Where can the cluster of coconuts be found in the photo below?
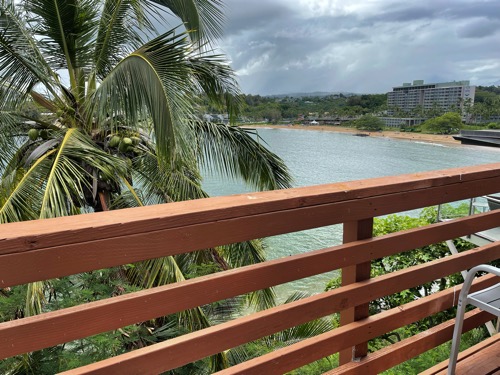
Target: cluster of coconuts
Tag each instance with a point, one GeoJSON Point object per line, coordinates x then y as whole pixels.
{"type": "Point", "coordinates": [124, 144]}
{"type": "Point", "coordinates": [33, 134]}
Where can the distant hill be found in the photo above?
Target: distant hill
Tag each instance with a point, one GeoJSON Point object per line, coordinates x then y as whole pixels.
{"type": "Point", "coordinates": [310, 94]}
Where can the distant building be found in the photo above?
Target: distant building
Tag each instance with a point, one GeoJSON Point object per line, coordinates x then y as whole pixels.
{"type": "Point", "coordinates": [219, 118]}
{"type": "Point", "coordinates": [447, 95]}
{"type": "Point", "coordinates": [401, 122]}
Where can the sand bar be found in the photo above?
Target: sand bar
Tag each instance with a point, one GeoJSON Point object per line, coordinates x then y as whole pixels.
{"type": "Point", "coordinates": [417, 137]}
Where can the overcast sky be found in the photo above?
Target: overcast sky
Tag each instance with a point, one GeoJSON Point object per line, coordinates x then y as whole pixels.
{"type": "Point", "coordinates": [363, 46]}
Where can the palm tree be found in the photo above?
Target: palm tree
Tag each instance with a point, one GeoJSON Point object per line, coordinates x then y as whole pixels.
{"type": "Point", "coordinates": [99, 110]}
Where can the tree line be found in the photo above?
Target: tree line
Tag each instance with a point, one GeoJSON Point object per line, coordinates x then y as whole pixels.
{"type": "Point", "coordinates": [258, 108]}
{"type": "Point", "coordinates": [272, 109]}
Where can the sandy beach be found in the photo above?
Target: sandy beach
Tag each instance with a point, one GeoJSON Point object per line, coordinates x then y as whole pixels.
{"type": "Point", "coordinates": [416, 137]}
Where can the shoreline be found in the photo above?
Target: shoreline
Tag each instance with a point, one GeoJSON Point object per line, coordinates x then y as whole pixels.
{"type": "Point", "coordinates": [416, 137]}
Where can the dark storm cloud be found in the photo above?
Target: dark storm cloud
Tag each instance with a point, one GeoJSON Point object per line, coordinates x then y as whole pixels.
{"type": "Point", "coordinates": [478, 29]}
{"type": "Point", "coordinates": [250, 15]}
{"type": "Point", "coordinates": [391, 13]}
{"type": "Point", "coordinates": [473, 9]}
{"type": "Point", "coordinates": [279, 46]}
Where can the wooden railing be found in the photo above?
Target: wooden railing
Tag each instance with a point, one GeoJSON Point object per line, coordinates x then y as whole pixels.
{"type": "Point", "coordinates": [51, 248]}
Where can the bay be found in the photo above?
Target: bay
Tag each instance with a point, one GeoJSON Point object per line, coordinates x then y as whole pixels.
{"type": "Point", "coordinates": [320, 157]}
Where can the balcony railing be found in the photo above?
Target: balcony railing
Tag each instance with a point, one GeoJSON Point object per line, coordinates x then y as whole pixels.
{"type": "Point", "coordinates": [46, 249]}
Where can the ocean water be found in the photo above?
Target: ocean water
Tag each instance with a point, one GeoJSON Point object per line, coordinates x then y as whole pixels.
{"type": "Point", "coordinates": [320, 157]}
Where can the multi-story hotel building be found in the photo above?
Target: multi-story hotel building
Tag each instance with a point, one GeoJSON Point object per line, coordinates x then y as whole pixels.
{"type": "Point", "coordinates": [447, 95]}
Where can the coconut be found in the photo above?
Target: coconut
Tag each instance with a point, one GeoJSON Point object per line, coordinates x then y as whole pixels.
{"type": "Point", "coordinates": [44, 134]}
{"type": "Point", "coordinates": [135, 140]}
{"type": "Point", "coordinates": [125, 144]}
{"type": "Point", "coordinates": [33, 134]}
{"type": "Point", "coordinates": [114, 141]}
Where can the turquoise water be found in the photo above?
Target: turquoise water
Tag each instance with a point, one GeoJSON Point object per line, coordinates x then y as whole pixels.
{"type": "Point", "coordinates": [319, 157]}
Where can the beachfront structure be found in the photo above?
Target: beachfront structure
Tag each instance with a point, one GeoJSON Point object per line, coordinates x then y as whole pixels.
{"type": "Point", "coordinates": [400, 122]}
{"type": "Point", "coordinates": [419, 95]}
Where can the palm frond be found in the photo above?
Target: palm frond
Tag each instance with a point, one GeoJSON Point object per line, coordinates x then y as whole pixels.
{"type": "Point", "coordinates": [239, 153]}
{"type": "Point", "coordinates": [21, 191]}
{"type": "Point", "coordinates": [155, 272]}
{"type": "Point", "coordinates": [130, 195]}
{"type": "Point", "coordinates": [178, 181]}
{"type": "Point", "coordinates": [54, 185]}
{"type": "Point", "coordinates": [117, 34]}
{"type": "Point", "coordinates": [151, 82]}
{"type": "Point", "coordinates": [243, 253]}
{"type": "Point", "coordinates": [261, 299]}
{"type": "Point", "coordinates": [66, 29]}
{"type": "Point", "coordinates": [35, 297]}
{"type": "Point", "coordinates": [22, 64]}
{"type": "Point", "coordinates": [215, 78]}
{"type": "Point", "coordinates": [8, 141]}
{"type": "Point", "coordinates": [203, 18]}
{"type": "Point", "coordinates": [65, 182]}
{"type": "Point", "coordinates": [219, 362]}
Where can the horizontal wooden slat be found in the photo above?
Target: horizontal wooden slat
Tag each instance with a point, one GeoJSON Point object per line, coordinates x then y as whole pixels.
{"type": "Point", "coordinates": [60, 261]}
{"type": "Point", "coordinates": [19, 237]}
{"type": "Point", "coordinates": [482, 358]}
{"type": "Point", "coordinates": [63, 246]}
{"type": "Point", "coordinates": [56, 327]}
{"type": "Point", "coordinates": [174, 353]}
{"type": "Point", "coordinates": [411, 347]}
{"type": "Point", "coordinates": [310, 350]}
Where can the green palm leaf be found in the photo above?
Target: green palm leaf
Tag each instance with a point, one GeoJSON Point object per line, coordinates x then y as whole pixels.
{"type": "Point", "coordinates": [239, 153]}
{"type": "Point", "coordinates": [35, 298]}
{"type": "Point", "coordinates": [162, 271]}
{"type": "Point", "coordinates": [54, 185]}
{"type": "Point", "coordinates": [66, 29]}
{"type": "Point", "coordinates": [139, 87]}
{"type": "Point", "coordinates": [117, 34]}
{"type": "Point", "coordinates": [22, 64]}
{"type": "Point", "coordinates": [176, 182]}
{"type": "Point", "coordinates": [8, 143]}
{"type": "Point", "coordinates": [21, 191]}
{"type": "Point", "coordinates": [67, 177]}
{"type": "Point", "coordinates": [201, 17]}
{"type": "Point", "coordinates": [216, 80]}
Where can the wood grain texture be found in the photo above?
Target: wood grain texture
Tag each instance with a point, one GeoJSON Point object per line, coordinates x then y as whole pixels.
{"type": "Point", "coordinates": [19, 237]}
{"type": "Point", "coordinates": [481, 359]}
{"type": "Point", "coordinates": [404, 350]}
{"type": "Point", "coordinates": [52, 328]}
{"type": "Point", "coordinates": [75, 257]}
{"type": "Point", "coordinates": [309, 350]}
{"type": "Point", "coordinates": [176, 352]}
{"type": "Point", "coordinates": [355, 231]}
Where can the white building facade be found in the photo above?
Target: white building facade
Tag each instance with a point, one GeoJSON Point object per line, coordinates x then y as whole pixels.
{"type": "Point", "coordinates": [419, 95]}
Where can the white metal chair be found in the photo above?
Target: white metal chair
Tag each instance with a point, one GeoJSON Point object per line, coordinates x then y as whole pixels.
{"type": "Point", "coordinates": [486, 299]}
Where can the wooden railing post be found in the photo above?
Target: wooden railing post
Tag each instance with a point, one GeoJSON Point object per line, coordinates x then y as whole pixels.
{"type": "Point", "coordinates": [353, 231]}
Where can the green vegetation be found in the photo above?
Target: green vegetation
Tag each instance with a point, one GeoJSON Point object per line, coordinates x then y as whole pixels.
{"type": "Point", "coordinates": [369, 123]}
{"type": "Point", "coordinates": [122, 132]}
{"type": "Point", "coordinates": [260, 108]}
{"type": "Point", "coordinates": [486, 101]}
{"type": "Point", "coordinates": [450, 122]}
